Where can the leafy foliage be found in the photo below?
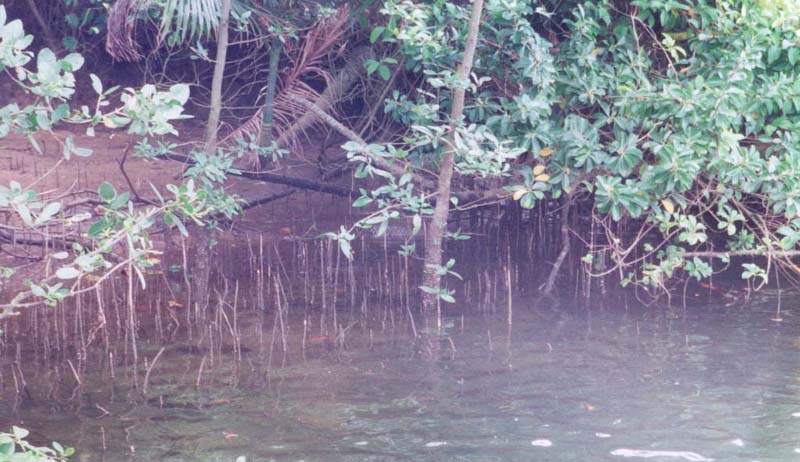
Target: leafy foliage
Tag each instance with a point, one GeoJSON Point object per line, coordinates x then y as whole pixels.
{"type": "Point", "coordinates": [15, 448]}
{"type": "Point", "coordinates": [680, 117]}
{"type": "Point", "coordinates": [147, 111]}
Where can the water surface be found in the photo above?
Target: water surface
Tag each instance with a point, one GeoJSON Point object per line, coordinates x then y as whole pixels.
{"type": "Point", "coordinates": [716, 382]}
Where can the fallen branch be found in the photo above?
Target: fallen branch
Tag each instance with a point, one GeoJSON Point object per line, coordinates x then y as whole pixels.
{"type": "Point", "coordinates": [345, 79]}
{"type": "Point", "coordinates": [265, 200]}
{"type": "Point", "coordinates": [64, 242]}
{"type": "Point", "coordinates": [264, 177]}
{"type": "Point", "coordinates": [768, 253]}
{"type": "Point", "coordinates": [353, 136]}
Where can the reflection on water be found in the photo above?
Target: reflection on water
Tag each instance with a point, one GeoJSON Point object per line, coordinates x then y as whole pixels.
{"type": "Point", "coordinates": [315, 383]}
{"type": "Point", "coordinates": [714, 382]}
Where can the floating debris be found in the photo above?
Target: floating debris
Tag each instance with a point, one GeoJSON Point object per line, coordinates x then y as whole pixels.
{"type": "Point", "coordinates": [361, 443]}
{"type": "Point", "coordinates": [647, 453]}
{"type": "Point", "coordinates": [435, 444]}
{"type": "Point", "coordinates": [542, 443]}
{"type": "Point", "coordinates": [602, 435]}
{"type": "Point", "coordinates": [737, 442]}
{"type": "Point", "coordinates": [587, 406]}
{"type": "Point", "coordinates": [796, 414]}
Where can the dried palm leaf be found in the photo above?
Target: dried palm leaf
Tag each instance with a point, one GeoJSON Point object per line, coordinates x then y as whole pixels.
{"type": "Point", "coordinates": [317, 45]}
{"type": "Point", "coordinates": [121, 25]}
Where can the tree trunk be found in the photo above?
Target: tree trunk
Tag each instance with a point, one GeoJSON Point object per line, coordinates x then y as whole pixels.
{"type": "Point", "coordinates": [562, 255]}
{"type": "Point", "coordinates": [265, 136]}
{"type": "Point", "coordinates": [436, 229]}
{"type": "Point", "coordinates": [45, 29]}
{"type": "Point", "coordinates": [212, 126]}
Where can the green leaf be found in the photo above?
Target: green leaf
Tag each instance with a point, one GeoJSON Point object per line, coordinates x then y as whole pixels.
{"type": "Point", "coordinates": [49, 211]}
{"type": "Point", "coordinates": [172, 220]}
{"type": "Point", "coordinates": [81, 152]}
{"type": "Point", "coordinates": [362, 201]}
{"type": "Point", "coordinates": [67, 153]}
{"type": "Point", "coordinates": [97, 85]}
{"type": "Point", "coordinates": [73, 20]}
{"type": "Point", "coordinates": [72, 62]}
{"type": "Point", "coordinates": [12, 31]}
{"type": "Point", "coordinates": [528, 201]}
{"type": "Point", "coordinates": [773, 54]}
{"type": "Point", "coordinates": [67, 272]}
{"type": "Point", "coordinates": [60, 113]}
{"type": "Point", "coordinates": [384, 72]}
{"type": "Point", "coordinates": [119, 201]}
{"type": "Point", "coordinates": [106, 192]}
{"type": "Point", "coordinates": [38, 291]}
{"type": "Point", "coordinates": [417, 224]}
{"type": "Point", "coordinates": [25, 213]}
{"type": "Point", "coordinates": [35, 144]}
{"type": "Point", "coordinates": [382, 228]}
{"type": "Point", "coordinates": [376, 33]}
{"type": "Point", "coordinates": [70, 43]}
{"type": "Point", "coordinates": [794, 53]}
{"type": "Point", "coordinates": [97, 229]}
{"type": "Point", "coordinates": [46, 63]}
{"type": "Point", "coordinates": [372, 66]}
{"type": "Point", "coordinates": [42, 120]}
{"type": "Point", "coordinates": [344, 246]}
{"type": "Point", "coordinates": [19, 432]}
{"type": "Point", "coordinates": [180, 93]}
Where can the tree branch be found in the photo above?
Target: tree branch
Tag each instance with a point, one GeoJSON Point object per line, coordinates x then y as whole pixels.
{"type": "Point", "coordinates": [265, 177]}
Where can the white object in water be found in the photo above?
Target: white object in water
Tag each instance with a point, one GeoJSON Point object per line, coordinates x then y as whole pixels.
{"type": "Point", "coordinates": [602, 435]}
{"type": "Point", "coordinates": [796, 414]}
{"type": "Point", "coordinates": [361, 443]}
{"type": "Point", "coordinates": [647, 453]}
{"type": "Point", "coordinates": [737, 442]}
{"type": "Point", "coordinates": [435, 444]}
{"type": "Point", "coordinates": [542, 443]}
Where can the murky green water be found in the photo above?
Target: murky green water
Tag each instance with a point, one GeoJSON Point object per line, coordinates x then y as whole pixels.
{"type": "Point", "coordinates": [716, 382]}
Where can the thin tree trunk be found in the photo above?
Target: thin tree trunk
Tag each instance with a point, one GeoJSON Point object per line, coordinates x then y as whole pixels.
{"type": "Point", "coordinates": [562, 255]}
{"type": "Point", "coordinates": [45, 29]}
{"type": "Point", "coordinates": [265, 137]}
{"type": "Point", "coordinates": [212, 126]}
{"type": "Point", "coordinates": [436, 230]}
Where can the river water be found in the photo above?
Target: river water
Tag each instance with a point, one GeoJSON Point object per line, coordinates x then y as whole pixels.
{"type": "Point", "coordinates": [717, 380]}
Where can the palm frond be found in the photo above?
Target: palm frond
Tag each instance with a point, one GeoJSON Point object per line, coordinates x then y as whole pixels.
{"type": "Point", "coordinates": [182, 21]}
{"type": "Point", "coordinates": [189, 20]}
{"type": "Point", "coordinates": [306, 61]}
